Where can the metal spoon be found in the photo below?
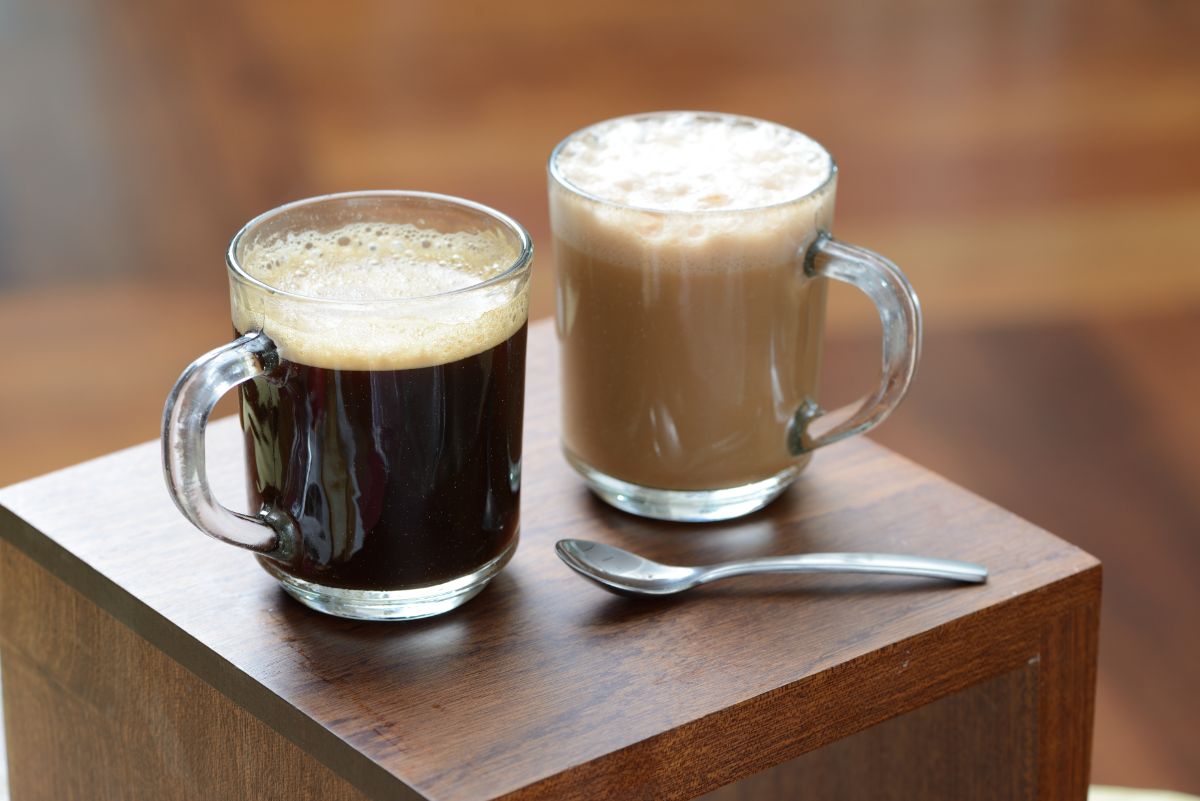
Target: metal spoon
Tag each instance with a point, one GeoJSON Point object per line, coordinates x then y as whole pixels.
{"type": "Point", "coordinates": [626, 573]}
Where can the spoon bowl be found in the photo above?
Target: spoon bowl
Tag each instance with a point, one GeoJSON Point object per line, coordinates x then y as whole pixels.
{"type": "Point", "coordinates": [622, 572]}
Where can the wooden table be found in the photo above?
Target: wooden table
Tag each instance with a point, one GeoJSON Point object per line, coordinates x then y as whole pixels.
{"type": "Point", "coordinates": [143, 660]}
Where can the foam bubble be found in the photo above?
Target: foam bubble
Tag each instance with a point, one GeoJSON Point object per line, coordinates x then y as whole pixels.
{"type": "Point", "coordinates": [330, 317]}
{"type": "Point", "coordinates": [687, 161]}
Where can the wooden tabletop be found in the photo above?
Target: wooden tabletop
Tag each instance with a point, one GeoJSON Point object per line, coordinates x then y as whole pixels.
{"type": "Point", "coordinates": [544, 683]}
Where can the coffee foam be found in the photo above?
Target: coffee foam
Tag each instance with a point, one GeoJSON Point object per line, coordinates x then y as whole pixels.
{"type": "Point", "coordinates": [691, 191]}
{"type": "Point", "coordinates": [687, 161]}
{"type": "Point", "coordinates": [373, 296]}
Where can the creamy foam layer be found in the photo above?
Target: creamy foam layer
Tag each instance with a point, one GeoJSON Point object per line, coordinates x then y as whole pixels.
{"type": "Point", "coordinates": [372, 296]}
{"type": "Point", "coordinates": [686, 191]}
{"type": "Point", "coordinates": [688, 161]}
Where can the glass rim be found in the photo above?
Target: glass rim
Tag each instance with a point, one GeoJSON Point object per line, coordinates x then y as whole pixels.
{"type": "Point", "coordinates": [557, 176]}
{"type": "Point", "coordinates": [520, 264]}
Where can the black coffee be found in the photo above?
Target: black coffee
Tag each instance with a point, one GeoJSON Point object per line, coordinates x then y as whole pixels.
{"type": "Point", "coordinates": [396, 479]}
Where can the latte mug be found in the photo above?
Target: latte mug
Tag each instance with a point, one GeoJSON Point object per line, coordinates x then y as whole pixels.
{"type": "Point", "coordinates": [693, 253]}
{"type": "Point", "coordinates": [380, 362]}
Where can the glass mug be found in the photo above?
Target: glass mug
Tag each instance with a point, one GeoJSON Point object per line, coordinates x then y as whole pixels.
{"type": "Point", "coordinates": [380, 358]}
{"type": "Point", "coordinates": [692, 254]}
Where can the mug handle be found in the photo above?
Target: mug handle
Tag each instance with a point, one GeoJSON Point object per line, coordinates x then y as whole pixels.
{"type": "Point", "coordinates": [184, 419]}
{"type": "Point", "coordinates": [900, 314]}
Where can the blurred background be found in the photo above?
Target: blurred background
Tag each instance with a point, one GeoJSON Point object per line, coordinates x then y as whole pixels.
{"type": "Point", "coordinates": [1033, 165]}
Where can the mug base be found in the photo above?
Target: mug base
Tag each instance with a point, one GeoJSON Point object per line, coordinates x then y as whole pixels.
{"type": "Point", "coordinates": [684, 506]}
{"type": "Point", "coordinates": [409, 604]}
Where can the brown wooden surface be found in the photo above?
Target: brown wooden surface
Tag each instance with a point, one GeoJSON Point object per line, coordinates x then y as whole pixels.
{"type": "Point", "coordinates": [1091, 431]}
{"type": "Point", "coordinates": [106, 715]}
{"type": "Point", "coordinates": [978, 743]}
{"type": "Point", "coordinates": [545, 687]}
{"type": "Point", "coordinates": [1032, 165]}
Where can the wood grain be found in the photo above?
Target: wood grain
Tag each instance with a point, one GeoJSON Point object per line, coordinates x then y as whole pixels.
{"type": "Point", "coordinates": [89, 731]}
{"type": "Point", "coordinates": [544, 687]}
{"type": "Point", "coordinates": [978, 743]}
{"type": "Point", "coordinates": [1088, 431]}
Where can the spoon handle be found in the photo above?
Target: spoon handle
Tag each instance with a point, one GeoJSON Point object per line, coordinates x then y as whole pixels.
{"type": "Point", "coordinates": [891, 564]}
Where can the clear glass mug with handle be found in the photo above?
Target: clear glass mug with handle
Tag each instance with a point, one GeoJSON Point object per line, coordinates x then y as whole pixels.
{"type": "Point", "coordinates": [379, 357]}
{"type": "Point", "coordinates": [693, 252]}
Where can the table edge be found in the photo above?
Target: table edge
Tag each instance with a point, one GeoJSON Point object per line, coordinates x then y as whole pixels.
{"type": "Point", "coordinates": [366, 775]}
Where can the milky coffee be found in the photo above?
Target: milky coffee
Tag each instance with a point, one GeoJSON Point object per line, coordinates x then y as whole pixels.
{"type": "Point", "coordinates": [390, 432]}
{"type": "Point", "coordinates": [690, 334]}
